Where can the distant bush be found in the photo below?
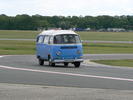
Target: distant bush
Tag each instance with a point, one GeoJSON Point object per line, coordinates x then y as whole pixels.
{"type": "Point", "coordinates": [26, 22]}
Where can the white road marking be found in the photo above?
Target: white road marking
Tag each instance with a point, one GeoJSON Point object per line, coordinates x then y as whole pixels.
{"type": "Point", "coordinates": [70, 74]}
{"type": "Point", "coordinates": [1, 56]}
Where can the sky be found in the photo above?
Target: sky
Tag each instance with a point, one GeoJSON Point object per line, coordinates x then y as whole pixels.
{"type": "Point", "coordinates": [67, 7]}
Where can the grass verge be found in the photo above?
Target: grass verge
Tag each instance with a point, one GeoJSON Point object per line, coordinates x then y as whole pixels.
{"type": "Point", "coordinates": [107, 48]}
{"type": "Point", "coordinates": [14, 47]}
{"type": "Point", "coordinates": [17, 34]}
{"type": "Point", "coordinates": [17, 47]}
{"type": "Point", "coordinates": [107, 36]}
{"type": "Point", "coordinates": [104, 36]}
{"type": "Point", "coordinates": [128, 63]}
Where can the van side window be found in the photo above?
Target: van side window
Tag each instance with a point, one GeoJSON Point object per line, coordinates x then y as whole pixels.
{"type": "Point", "coordinates": [46, 40]}
{"type": "Point", "coordinates": [40, 39]}
{"type": "Point", "coordinates": [51, 40]}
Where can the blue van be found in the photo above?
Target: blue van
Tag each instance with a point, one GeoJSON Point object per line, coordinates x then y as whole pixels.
{"type": "Point", "coordinates": [59, 46]}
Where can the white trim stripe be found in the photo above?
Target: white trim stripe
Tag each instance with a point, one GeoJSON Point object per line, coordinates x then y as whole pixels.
{"type": "Point", "coordinates": [69, 74]}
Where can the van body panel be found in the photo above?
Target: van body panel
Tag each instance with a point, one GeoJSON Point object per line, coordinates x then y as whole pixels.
{"type": "Point", "coordinates": [66, 51]}
{"type": "Point", "coordinates": [43, 50]}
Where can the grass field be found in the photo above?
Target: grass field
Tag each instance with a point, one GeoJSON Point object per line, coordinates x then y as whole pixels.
{"type": "Point", "coordinates": [14, 34]}
{"type": "Point", "coordinates": [28, 47]}
{"type": "Point", "coordinates": [107, 36]}
{"type": "Point", "coordinates": [128, 63]}
{"type": "Point", "coordinates": [107, 48]}
{"type": "Point", "coordinates": [15, 47]}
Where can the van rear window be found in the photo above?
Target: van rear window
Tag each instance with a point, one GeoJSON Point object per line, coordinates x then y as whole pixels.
{"type": "Point", "coordinates": [66, 39]}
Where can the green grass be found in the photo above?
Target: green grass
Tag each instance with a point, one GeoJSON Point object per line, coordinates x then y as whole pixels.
{"type": "Point", "coordinates": [17, 47]}
{"type": "Point", "coordinates": [28, 47]}
{"type": "Point", "coordinates": [107, 36]}
{"type": "Point", "coordinates": [107, 48]}
{"type": "Point", "coordinates": [128, 63]}
{"type": "Point", "coordinates": [13, 46]}
{"type": "Point", "coordinates": [14, 34]}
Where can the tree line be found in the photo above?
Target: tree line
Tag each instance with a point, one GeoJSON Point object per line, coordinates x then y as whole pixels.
{"type": "Point", "coordinates": [26, 22]}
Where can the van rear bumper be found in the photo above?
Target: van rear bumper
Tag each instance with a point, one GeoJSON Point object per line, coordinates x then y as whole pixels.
{"type": "Point", "coordinates": [68, 60]}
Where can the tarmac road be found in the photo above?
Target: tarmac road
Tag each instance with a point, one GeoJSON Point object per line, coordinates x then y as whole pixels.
{"type": "Point", "coordinates": [25, 70]}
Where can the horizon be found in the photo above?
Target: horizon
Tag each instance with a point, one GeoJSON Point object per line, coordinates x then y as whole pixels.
{"type": "Point", "coordinates": [63, 15]}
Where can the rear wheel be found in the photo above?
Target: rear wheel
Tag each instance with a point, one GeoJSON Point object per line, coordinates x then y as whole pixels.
{"type": "Point", "coordinates": [65, 64]}
{"type": "Point", "coordinates": [50, 61]}
{"type": "Point", "coordinates": [41, 62]}
{"type": "Point", "coordinates": [77, 64]}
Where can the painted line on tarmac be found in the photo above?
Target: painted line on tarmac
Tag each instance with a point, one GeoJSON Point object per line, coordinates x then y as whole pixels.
{"type": "Point", "coordinates": [69, 74]}
{"type": "Point", "coordinates": [1, 56]}
{"type": "Point", "coordinates": [5, 55]}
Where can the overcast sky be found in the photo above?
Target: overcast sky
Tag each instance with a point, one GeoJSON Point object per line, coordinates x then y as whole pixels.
{"type": "Point", "coordinates": [66, 7]}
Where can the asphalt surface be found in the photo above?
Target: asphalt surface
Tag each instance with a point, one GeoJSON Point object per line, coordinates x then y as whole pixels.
{"type": "Point", "coordinates": [25, 70]}
{"type": "Point", "coordinates": [36, 92]}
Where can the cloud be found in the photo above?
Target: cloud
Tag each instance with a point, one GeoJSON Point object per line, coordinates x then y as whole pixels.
{"type": "Point", "coordinates": [67, 7]}
{"type": "Point", "coordinates": [15, 7]}
{"type": "Point", "coordinates": [85, 7]}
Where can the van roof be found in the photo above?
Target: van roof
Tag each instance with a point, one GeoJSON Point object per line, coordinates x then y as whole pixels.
{"type": "Point", "coordinates": [57, 32]}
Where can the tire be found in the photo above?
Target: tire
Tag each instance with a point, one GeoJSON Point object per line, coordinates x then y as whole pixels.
{"type": "Point", "coordinates": [50, 62]}
{"type": "Point", "coordinates": [77, 64]}
{"type": "Point", "coordinates": [41, 62]}
{"type": "Point", "coordinates": [66, 64]}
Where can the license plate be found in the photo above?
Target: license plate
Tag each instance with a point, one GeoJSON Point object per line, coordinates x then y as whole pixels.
{"type": "Point", "coordinates": [69, 60]}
